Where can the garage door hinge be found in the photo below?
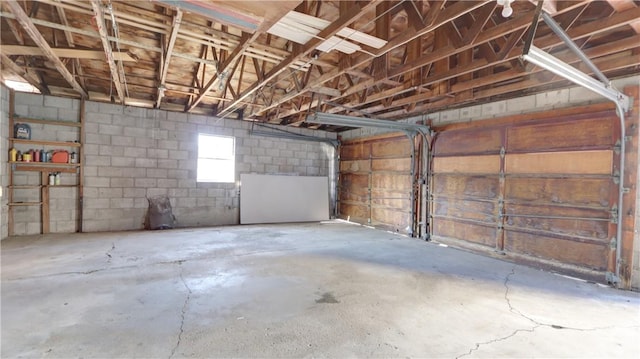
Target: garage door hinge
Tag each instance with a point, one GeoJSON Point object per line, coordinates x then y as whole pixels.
{"type": "Point", "coordinates": [614, 214]}
{"type": "Point", "coordinates": [612, 278]}
{"type": "Point", "coordinates": [616, 177]}
{"type": "Point", "coordinates": [617, 147]}
{"type": "Point", "coordinates": [613, 243]}
{"type": "Point", "coordinates": [502, 152]}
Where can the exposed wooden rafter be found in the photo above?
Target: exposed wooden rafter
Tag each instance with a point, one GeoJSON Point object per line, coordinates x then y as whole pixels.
{"type": "Point", "coordinates": [6, 61]}
{"type": "Point", "coordinates": [106, 44]}
{"type": "Point", "coordinates": [167, 55]}
{"type": "Point", "coordinates": [35, 35]}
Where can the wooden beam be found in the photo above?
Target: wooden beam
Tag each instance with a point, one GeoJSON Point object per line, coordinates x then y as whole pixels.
{"type": "Point", "coordinates": [177, 19]}
{"type": "Point", "coordinates": [355, 12]}
{"type": "Point", "coordinates": [102, 29]}
{"type": "Point", "coordinates": [65, 53]}
{"type": "Point", "coordinates": [71, 43]}
{"type": "Point", "coordinates": [6, 61]}
{"type": "Point", "coordinates": [443, 16]}
{"type": "Point", "coordinates": [32, 31]}
{"type": "Point", "coordinates": [622, 5]}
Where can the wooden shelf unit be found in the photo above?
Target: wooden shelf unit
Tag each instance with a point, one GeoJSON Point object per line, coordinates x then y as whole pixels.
{"type": "Point", "coordinates": [44, 168]}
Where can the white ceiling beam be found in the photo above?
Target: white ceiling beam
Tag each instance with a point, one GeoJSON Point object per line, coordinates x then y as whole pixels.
{"type": "Point", "coordinates": [177, 19]}
{"type": "Point", "coordinates": [104, 36]}
{"type": "Point", "coordinates": [26, 23]}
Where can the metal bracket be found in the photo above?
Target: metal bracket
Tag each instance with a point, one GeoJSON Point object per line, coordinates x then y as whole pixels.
{"type": "Point", "coordinates": [614, 214]}
{"type": "Point", "coordinates": [613, 243]}
{"type": "Point", "coordinates": [612, 278]}
{"type": "Point", "coordinates": [503, 152]}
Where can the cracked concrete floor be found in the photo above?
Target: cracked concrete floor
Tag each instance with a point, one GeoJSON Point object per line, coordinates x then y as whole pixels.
{"type": "Point", "coordinates": [320, 290]}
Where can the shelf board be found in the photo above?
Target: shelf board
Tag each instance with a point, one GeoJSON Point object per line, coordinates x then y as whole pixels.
{"type": "Point", "coordinates": [62, 185]}
{"type": "Point", "coordinates": [20, 204]}
{"type": "Point", "coordinates": [46, 143]}
{"type": "Point", "coordinates": [46, 122]}
{"type": "Point", "coordinates": [25, 187]}
{"type": "Point", "coordinates": [45, 167]}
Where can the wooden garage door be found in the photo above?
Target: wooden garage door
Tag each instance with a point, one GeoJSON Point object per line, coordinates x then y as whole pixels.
{"type": "Point", "coordinates": [541, 192]}
{"type": "Point", "coordinates": [375, 182]}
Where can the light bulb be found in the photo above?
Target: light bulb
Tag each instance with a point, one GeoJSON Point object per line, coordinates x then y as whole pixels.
{"type": "Point", "coordinates": [507, 10]}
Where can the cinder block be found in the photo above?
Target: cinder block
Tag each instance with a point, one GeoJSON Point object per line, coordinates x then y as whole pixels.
{"type": "Point", "coordinates": [187, 183]}
{"type": "Point", "coordinates": [96, 203]}
{"type": "Point", "coordinates": [123, 141]}
{"type": "Point", "coordinates": [70, 115]}
{"type": "Point", "coordinates": [92, 160]}
{"type": "Point", "coordinates": [471, 113]}
{"type": "Point", "coordinates": [187, 165]}
{"type": "Point", "coordinates": [240, 132]}
{"type": "Point", "coordinates": [66, 226]}
{"type": "Point", "coordinates": [96, 182]}
{"type": "Point", "coordinates": [134, 192]}
{"type": "Point", "coordinates": [581, 95]}
{"type": "Point", "coordinates": [186, 202]}
{"type": "Point", "coordinates": [98, 118]}
{"type": "Point", "coordinates": [177, 116]}
{"type": "Point", "coordinates": [157, 153]}
{"type": "Point", "coordinates": [135, 152]}
{"type": "Point", "coordinates": [167, 183]}
{"type": "Point", "coordinates": [293, 161]}
{"type": "Point", "coordinates": [178, 192]}
{"type": "Point", "coordinates": [134, 111]}
{"type": "Point", "coordinates": [111, 109]}
{"type": "Point", "coordinates": [123, 161]}
{"type": "Point", "coordinates": [156, 173]}
{"type": "Point", "coordinates": [271, 169]}
{"type": "Point", "coordinates": [168, 164]}
{"type": "Point", "coordinates": [168, 144]}
{"type": "Point", "coordinates": [144, 142]}
{"type": "Point", "coordinates": [141, 202]}
{"type": "Point", "coordinates": [178, 174]}
{"type": "Point", "coordinates": [205, 202]}
{"type": "Point", "coordinates": [146, 163]}
{"type": "Point", "coordinates": [122, 182]}
{"type": "Point", "coordinates": [90, 171]}
{"type": "Point", "coordinates": [146, 182]}
{"type": "Point", "coordinates": [110, 192]}
{"type": "Point", "coordinates": [198, 192]}
{"type": "Point", "coordinates": [24, 98]}
{"type": "Point", "coordinates": [168, 125]}
{"type": "Point", "coordinates": [97, 139]}
{"type": "Point", "coordinates": [521, 104]}
{"type": "Point", "coordinates": [58, 102]}
{"type": "Point", "coordinates": [121, 203]}
{"type": "Point", "coordinates": [91, 149]}
{"type": "Point", "coordinates": [197, 119]}
{"type": "Point", "coordinates": [313, 171]}
{"type": "Point", "coordinates": [43, 112]}
{"type": "Point", "coordinates": [152, 192]}
{"type": "Point", "coordinates": [552, 98]}
{"type": "Point", "coordinates": [111, 151]}
{"type": "Point", "coordinates": [190, 144]}
{"type": "Point", "coordinates": [135, 132]}
{"type": "Point", "coordinates": [257, 167]}
{"type": "Point", "coordinates": [265, 160]}
{"type": "Point", "coordinates": [156, 114]}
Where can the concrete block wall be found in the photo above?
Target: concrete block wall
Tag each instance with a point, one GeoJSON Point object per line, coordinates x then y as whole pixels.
{"type": "Point", "coordinates": [132, 153]}
{"type": "Point", "coordinates": [4, 154]}
{"type": "Point", "coordinates": [63, 208]}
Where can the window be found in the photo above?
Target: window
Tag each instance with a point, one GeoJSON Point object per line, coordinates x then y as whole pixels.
{"type": "Point", "coordinates": [216, 158]}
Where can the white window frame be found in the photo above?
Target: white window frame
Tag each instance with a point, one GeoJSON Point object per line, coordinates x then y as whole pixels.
{"type": "Point", "coordinates": [210, 165]}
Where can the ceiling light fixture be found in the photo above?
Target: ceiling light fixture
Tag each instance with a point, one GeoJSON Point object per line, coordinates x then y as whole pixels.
{"type": "Point", "coordinates": [506, 10]}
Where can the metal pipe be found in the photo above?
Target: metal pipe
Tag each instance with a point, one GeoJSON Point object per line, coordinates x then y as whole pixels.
{"type": "Point", "coordinates": [567, 40]}
{"type": "Point", "coordinates": [411, 136]}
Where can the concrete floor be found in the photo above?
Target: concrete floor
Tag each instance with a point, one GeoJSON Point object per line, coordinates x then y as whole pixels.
{"type": "Point", "coordinates": [321, 290]}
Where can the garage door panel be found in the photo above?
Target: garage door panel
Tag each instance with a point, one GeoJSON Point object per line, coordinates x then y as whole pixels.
{"type": "Point", "coordinates": [460, 208]}
{"type": "Point", "coordinates": [390, 181]}
{"type": "Point", "coordinates": [466, 186]}
{"type": "Point", "coordinates": [578, 222]}
{"type": "Point", "coordinates": [591, 192]}
{"type": "Point", "coordinates": [597, 162]}
{"type": "Point", "coordinates": [467, 164]}
{"type": "Point", "coordinates": [396, 165]}
{"type": "Point", "coordinates": [392, 200]}
{"type": "Point", "coordinates": [392, 147]}
{"type": "Point", "coordinates": [355, 166]}
{"type": "Point", "coordinates": [465, 231]}
{"type": "Point", "coordinates": [397, 220]}
{"type": "Point", "coordinates": [355, 151]}
{"type": "Point", "coordinates": [590, 255]}
{"type": "Point", "coordinates": [554, 137]}
{"type": "Point", "coordinates": [355, 211]}
{"type": "Point", "coordinates": [466, 142]}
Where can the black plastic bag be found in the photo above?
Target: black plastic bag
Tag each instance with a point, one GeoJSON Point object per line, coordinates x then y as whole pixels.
{"type": "Point", "coordinates": [160, 215]}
